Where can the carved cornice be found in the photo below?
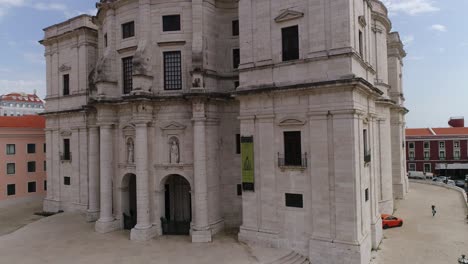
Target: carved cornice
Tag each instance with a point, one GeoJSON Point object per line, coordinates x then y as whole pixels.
{"type": "Point", "coordinates": [287, 15]}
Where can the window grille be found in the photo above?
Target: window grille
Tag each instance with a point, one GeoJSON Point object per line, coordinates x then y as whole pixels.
{"type": "Point", "coordinates": [172, 70]}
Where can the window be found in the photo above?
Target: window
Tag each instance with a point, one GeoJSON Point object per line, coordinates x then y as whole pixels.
{"type": "Point", "coordinates": [456, 154]}
{"type": "Point", "coordinates": [442, 154]}
{"type": "Point", "coordinates": [31, 187]}
{"type": "Point", "coordinates": [66, 149]}
{"type": "Point", "coordinates": [31, 166]}
{"type": "Point", "coordinates": [44, 147]}
{"type": "Point", "coordinates": [11, 168]}
{"type": "Point", "coordinates": [236, 84]}
{"type": "Point", "coordinates": [441, 145]}
{"type": "Point", "coordinates": [411, 145]}
{"type": "Point", "coordinates": [172, 70]}
{"type": "Point", "coordinates": [45, 185]}
{"type": "Point", "coordinates": [360, 44]}
{"type": "Point", "coordinates": [238, 145]}
{"type": "Point", "coordinates": [411, 154]}
{"type": "Point", "coordinates": [290, 41]}
{"type": "Point", "coordinates": [235, 28]}
{"type": "Point", "coordinates": [127, 73]}
{"type": "Point", "coordinates": [10, 149]}
{"type": "Point", "coordinates": [366, 194]}
{"type": "Point", "coordinates": [427, 155]}
{"type": "Point", "coordinates": [11, 189]}
{"type": "Point", "coordinates": [45, 165]}
{"type": "Point", "coordinates": [294, 200]}
{"type": "Point", "coordinates": [239, 189]}
{"type": "Point", "coordinates": [292, 148]}
{"type": "Point", "coordinates": [66, 84]}
{"type": "Point", "coordinates": [171, 23]}
{"type": "Point", "coordinates": [365, 141]}
{"type": "Point", "coordinates": [235, 58]}
{"type": "Point", "coordinates": [31, 148]}
{"type": "Point", "coordinates": [66, 180]}
{"type": "Point", "coordinates": [427, 167]}
{"type": "Point", "coordinates": [128, 30]}
{"type": "Point", "coordinates": [105, 40]}
{"type": "Point", "coordinates": [412, 167]}
{"type": "Point", "coordinates": [427, 145]}
{"type": "Point", "coordinates": [456, 144]}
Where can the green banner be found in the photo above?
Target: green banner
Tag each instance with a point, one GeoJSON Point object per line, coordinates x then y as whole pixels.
{"type": "Point", "coordinates": [247, 150]}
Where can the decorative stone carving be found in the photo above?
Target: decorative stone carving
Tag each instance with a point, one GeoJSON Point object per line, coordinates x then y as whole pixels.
{"type": "Point", "coordinates": [141, 60]}
{"type": "Point", "coordinates": [103, 70]}
{"type": "Point", "coordinates": [362, 21]}
{"type": "Point", "coordinates": [174, 151]}
{"type": "Point", "coordinates": [130, 151]}
{"type": "Point", "coordinates": [64, 68]}
{"type": "Point", "coordinates": [291, 122]}
{"type": "Point", "coordinates": [288, 15]}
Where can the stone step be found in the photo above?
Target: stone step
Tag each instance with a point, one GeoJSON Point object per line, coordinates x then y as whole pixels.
{"type": "Point", "coordinates": [291, 258]}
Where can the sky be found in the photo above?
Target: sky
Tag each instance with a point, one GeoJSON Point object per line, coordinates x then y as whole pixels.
{"type": "Point", "coordinates": [434, 32]}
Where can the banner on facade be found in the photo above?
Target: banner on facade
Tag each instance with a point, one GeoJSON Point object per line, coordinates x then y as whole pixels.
{"type": "Point", "coordinates": [247, 150]}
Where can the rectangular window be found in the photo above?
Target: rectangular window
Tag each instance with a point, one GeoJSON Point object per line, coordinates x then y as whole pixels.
{"type": "Point", "coordinates": [427, 154]}
{"type": "Point", "coordinates": [127, 74]}
{"type": "Point", "coordinates": [238, 144]}
{"type": "Point", "coordinates": [441, 145]}
{"type": "Point", "coordinates": [66, 149]}
{"type": "Point", "coordinates": [66, 84]}
{"type": "Point", "coordinates": [44, 146]}
{"type": "Point", "coordinates": [31, 187]}
{"type": "Point", "coordinates": [366, 194]}
{"type": "Point", "coordinates": [456, 154]}
{"type": "Point", "coordinates": [10, 149]}
{"type": "Point", "coordinates": [45, 185]}
{"type": "Point", "coordinates": [171, 23]}
{"type": "Point", "coordinates": [31, 166]}
{"type": "Point", "coordinates": [290, 41]}
{"type": "Point", "coordinates": [31, 148]}
{"type": "Point", "coordinates": [45, 165]}
{"type": "Point", "coordinates": [128, 30]}
{"type": "Point", "coordinates": [66, 180]}
{"type": "Point", "coordinates": [294, 200]}
{"type": "Point", "coordinates": [235, 28]}
{"type": "Point", "coordinates": [427, 145]}
{"type": "Point", "coordinates": [11, 168]}
{"type": "Point", "coordinates": [292, 148]}
{"type": "Point", "coordinates": [411, 145]}
{"type": "Point", "coordinates": [236, 84]}
{"type": "Point", "coordinates": [411, 154]}
{"type": "Point", "coordinates": [412, 167]}
{"type": "Point", "coordinates": [427, 167]}
{"type": "Point", "coordinates": [105, 40]}
{"type": "Point", "coordinates": [456, 144]}
{"type": "Point", "coordinates": [365, 141]}
{"type": "Point", "coordinates": [11, 189]}
{"type": "Point", "coordinates": [361, 43]}
{"type": "Point", "coordinates": [172, 70]}
{"type": "Point", "coordinates": [235, 58]}
{"type": "Point", "coordinates": [239, 189]}
{"type": "Point", "coordinates": [442, 154]}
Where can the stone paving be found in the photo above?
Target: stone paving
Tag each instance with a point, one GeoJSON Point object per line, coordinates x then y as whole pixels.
{"type": "Point", "coordinates": [423, 238]}
{"type": "Point", "coordinates": [17, 213]}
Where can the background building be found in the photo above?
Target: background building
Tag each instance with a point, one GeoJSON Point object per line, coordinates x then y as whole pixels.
{"type": "Point", "coordinates": [442, 151]}
{"type": "Point", "coordinates": [282, 118]}
{"type": "Point", "coordinates": [18, 104]}
{"type": "Point", "coordinates": [23, 157]}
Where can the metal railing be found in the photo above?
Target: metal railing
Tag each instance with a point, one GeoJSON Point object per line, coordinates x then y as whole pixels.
{"type": "Point", "coordinates": [292, 161]}
{"type": "Point", "coordinates": [67, 156]}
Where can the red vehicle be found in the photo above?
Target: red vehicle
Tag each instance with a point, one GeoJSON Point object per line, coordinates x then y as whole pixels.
{"type": "Point", "coordinates": [390, 221]}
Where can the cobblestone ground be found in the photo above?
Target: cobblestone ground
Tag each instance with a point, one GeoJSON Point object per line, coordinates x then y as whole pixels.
{"type": "Point", "coordinates": [423, 238]}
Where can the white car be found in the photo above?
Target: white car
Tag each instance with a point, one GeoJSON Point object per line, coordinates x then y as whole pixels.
{"type": "Point", "coordinates": [451, 182]}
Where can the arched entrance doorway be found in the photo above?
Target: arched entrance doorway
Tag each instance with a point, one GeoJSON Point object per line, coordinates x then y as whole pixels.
{"type": "Point", "coordinates": [129, 202]}
{"type": "Point", "coordinates": [177, 206]}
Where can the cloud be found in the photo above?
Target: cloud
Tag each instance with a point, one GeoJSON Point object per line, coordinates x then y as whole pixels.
{"type": "Point", "coordinates": [414, 58]}
{"type": "Point", "coordinates": [407, 40]}
{"type": "Point", "coordinates": [28, 86]}
{"type": "Point", "coordinates": [438, 27]}
{"type": "Point", "coordinates": [5, 5]}
{"type": "Point", "coordinates": [35, 58]}
{"type": "Point", "coordinates": [410, 7]}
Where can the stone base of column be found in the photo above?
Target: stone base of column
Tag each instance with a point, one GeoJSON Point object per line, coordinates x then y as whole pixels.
{"type": "Point", "coordinates": [386, 207]}
{"type": "Point", "coordinates": [201, 236]}
{"type": "Point", "coordinates": [107, 226]}
{"type": "Point", "coordinates": [51, 205]}
{"type": "Point", "coordinates": [144, 234]}
{"type": "Point", "coordinates": [399, 191]}
{"type": "Point", "coordinates": [376, 233]}
{"type": "Point", "coordinates": [92, 216]}
{"type": "Point", "coordinates": [335, 252]}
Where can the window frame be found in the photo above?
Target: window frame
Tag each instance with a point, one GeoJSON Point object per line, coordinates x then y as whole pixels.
{"type": "Point", "coordinates": [292, 154]}
{"type": "Point", "coordinates": [8, 189]}
{"type": "Point", "coordinates": [430, 167]}
{"type": "Point", "coordinates": [8, 152]}
{"type": "Point", "coordinates": [235, 29]}
{"type": "Point", "coordinates": [411, 165]}
{"type": "Point", "coordinates": [235, 58]}
{"type": "Point", "coordinates": [166, 58]}
{"type": "Point", "coordinates": [167, 27]}
{"type": "Point", "coordinates": [32, 185]}
{"type": "Point", "coordinates": [31, 166]}
{"type": "Point", "coordinates": [128, 32]}
{"type": "Point", "coordinates": [290, 48]}
{"type": "Point", "coordinates": [127, 74]}
{"type": "Point", "coordinates": [66, 84]}
{"type": "Point", "coordinates": [14, 168]}
{"type": "Point", "coordinates": [31, 148]}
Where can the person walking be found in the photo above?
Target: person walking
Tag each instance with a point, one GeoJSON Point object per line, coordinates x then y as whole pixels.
{"type": "Point", "coordinates": [433, 210]}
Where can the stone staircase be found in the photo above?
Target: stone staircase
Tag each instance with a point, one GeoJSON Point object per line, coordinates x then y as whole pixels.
{"type": "Point", "coordinates": [292, 258]}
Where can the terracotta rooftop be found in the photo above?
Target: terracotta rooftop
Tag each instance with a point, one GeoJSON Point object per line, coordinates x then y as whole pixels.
{"type": "Point", "coordinates": [27, 121]}
{"type": "Point", "coordinates": [21, 97]}
{"type": "Point", "coordinates": [441, 131]}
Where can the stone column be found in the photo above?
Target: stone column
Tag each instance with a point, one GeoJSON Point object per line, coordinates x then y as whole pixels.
{"type": "Point", "coordinates": [106, 222]}
{"type": "Point", "coordinates": [143, 229]}
{"type": "Point", "coordinates": [93, 174]}
{"type": "Point", "coordinates": [201, 230]}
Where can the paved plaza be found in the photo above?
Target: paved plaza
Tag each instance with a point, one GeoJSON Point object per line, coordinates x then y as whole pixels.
{"type": "Point", "coordinates": [423, 238]}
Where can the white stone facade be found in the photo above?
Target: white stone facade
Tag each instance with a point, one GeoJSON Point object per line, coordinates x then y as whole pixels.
{"type": "Point", "coordinates": [151, 155]}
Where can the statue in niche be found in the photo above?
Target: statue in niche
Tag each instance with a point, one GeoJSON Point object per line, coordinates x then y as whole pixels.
{"type": "Point", "coordinates": [130, 151]}
{"type": "Point", "coordinates": [174, 153]}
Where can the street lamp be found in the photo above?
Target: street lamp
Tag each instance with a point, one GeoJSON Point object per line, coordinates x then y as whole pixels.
{"type": "Point", "coordinates": [463, 260]}
{"type": "Point", "coordinates": [446, 177]}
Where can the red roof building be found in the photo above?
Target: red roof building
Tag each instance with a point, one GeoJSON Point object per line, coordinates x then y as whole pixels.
{"type": "Point", "coordinates": [18, 104]}
{"type": "Point", "coordinates": [442, 151]}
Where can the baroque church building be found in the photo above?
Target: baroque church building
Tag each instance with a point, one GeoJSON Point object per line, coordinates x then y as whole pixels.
{"type": "Point", "coordinates": [284, 119]}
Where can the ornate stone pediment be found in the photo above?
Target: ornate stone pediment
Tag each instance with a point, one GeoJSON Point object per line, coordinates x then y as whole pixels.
{"type": "Point", "coordinates": [173, 126]}
{"type": "Point", "coordinates": [291, 122]}
{"type": "Point", "coordinates": [362, 21]}
{"type": "Point", "coordinates": [64, 68]}
{"type": "Point", "coordinates": [288, 15]}
{"type": "Point", "coordinates": [65, 133]}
